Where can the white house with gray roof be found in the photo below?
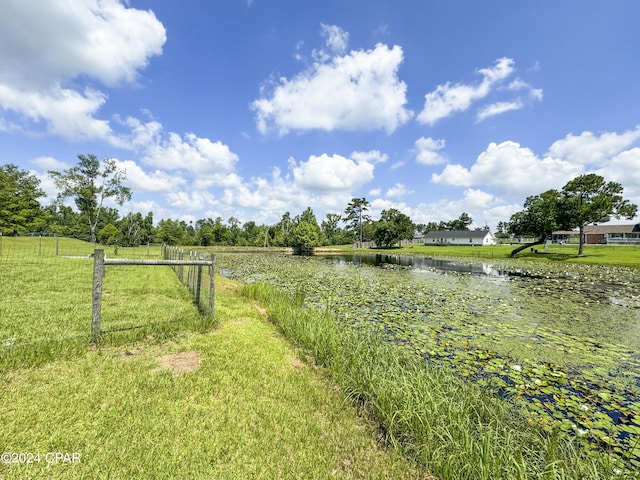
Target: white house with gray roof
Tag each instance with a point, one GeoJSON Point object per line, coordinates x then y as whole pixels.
{"type": "Point", "coordinates": [460, 237]}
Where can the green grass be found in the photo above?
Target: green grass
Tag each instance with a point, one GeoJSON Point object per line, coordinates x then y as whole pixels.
{"type": "Point", "coordinates": [249, 409]}
{"type": "Point", "coordinates": [450, 426]}
{"type": "Point", "coordinates": [190, 402]}
{"type": "Point", "coordinates": [46, 299]}
{"type": "Point", "coordinates": [625, 256]}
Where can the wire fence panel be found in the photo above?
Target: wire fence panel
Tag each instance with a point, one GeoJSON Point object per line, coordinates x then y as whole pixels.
{"type": "Point", "coordinates": [198, 278]}
{"type": "Point", "coordinates": [46, 297]}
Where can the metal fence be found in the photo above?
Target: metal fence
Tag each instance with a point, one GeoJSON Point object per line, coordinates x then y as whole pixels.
{"type": "Point", "coordinates": [193, 280]}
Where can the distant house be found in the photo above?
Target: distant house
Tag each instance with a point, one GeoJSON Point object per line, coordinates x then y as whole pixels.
{"type": "Point", "coordinates": [460, 237]}
{"type": "Point", "coordinates": [593, 234]}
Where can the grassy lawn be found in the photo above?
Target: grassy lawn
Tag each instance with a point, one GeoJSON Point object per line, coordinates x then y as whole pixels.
{"type": "Point", "coordinates": [625, 256]}
{"type": "Point", "coordinates": [235, 401]}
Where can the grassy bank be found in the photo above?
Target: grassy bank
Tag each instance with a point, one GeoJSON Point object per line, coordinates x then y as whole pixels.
{"type": "Point", "coordinates": [231, 402]}
{"type": "Point", "coordinates": [449, 426]}
{"type": "Point", "coordinates": [624, 256]}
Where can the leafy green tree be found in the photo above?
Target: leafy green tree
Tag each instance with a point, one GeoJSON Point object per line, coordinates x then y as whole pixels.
{"type": "Point", "coordinates": [590, 199]}
{"type": "Point", "coordinates": [234, 230]}
{"type": "Point", "coordinates": [65, 221]}
{"type": "Point", "coordinates": [305, 232]}
{"type": "Point", "coordinates": [393, 227]}
{"type": "Point", "coordinates": [330, 229]}
{"type": "Point", "coordinates": [90, 183]}
{"type": "Point", "coordinates": [304, 235]}
{"type": "Point", "coordinates": [461, 223]}
{"type": "Point", "coordinates": [171, 232]}
{"type": "Point", "coordinates": [501, 229]}
{"type": "Point", "coordinates": [355, 217]}
{"type": "Point", "coordinates": [109, 235]}
{"type": "Point", "coordinates": [20, 210]}
{"type": "Point", "coordinates": [253, 234]}
{"type": "Point", "coordinates": [542, 214]}
{"type": "Point", "coordinates": [130, 227]}
{"type": "Point", "coordinates": [281, 233]}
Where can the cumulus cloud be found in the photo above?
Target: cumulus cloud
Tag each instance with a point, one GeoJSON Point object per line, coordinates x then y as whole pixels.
{"type": "Point", "coordinates": [397, 191]}
{"type": "Point", "coordinates": [427, 151]}
{"type": "Point", "coordinates": [336, 40]}
{"type": "Point", "coordinates": [46, 46]}
{"type": "Point", "coordinates": [191, 201]}
{"type": "Point", "coordinates": [590, 149]}
{"type": "Point", "coordinates": [49, 163]}
{"type": "Point", "coordinates": [191, 153]}
{"type": "Point", "coordinates": [511, 169]}
{"type": "Point", "coordinates": [332, 173]}
{"type": "Point", "coordinates": [156, 181]}
{"type": "Point", "coordinates": [449, 98]}
{"type": "Point", "coordinates": [356, 91]}
{"type": "Point", "coordinates": [624, 169]}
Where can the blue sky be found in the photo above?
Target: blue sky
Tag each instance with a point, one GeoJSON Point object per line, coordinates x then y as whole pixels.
{"type": "Point", "coordinates": [251, 108]}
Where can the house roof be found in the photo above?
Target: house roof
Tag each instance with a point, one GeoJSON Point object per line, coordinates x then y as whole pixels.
{"type": "Point", "coordinates": [602, 229]}
{"type": "Point", "coordinates": [457, 234]}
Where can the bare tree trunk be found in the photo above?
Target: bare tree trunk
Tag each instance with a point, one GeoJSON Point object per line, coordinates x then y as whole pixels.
{"type": "Point", "coordinates": [581, 247]}
{"type": "Point", "coordinates": [517, 250]}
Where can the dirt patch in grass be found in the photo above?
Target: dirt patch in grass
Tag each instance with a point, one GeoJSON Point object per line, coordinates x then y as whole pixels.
{"type": "Point", "coordinates": [181, 362]}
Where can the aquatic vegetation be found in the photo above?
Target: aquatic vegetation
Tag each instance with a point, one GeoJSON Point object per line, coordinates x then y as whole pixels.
{"type": "Point", "coordinates": [560, 341]}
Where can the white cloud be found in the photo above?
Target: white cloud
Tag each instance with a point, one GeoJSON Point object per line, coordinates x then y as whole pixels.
{"type": "Point", "coordinates": [191, 201]}
{"type": "Point", "coordinates": [332, 173]}
{"type": "Point", "coordinates": [511, 169]}
{"type": "Point", "coordinates": [49, 163]}
{"type": "Point", "coordinates": [590, 149]}
{"type": "Point", "coordinates": [46, 46]}
{"type": "Point", "coordinates": [371, 156]}
{"type": "Point", "coordinates": [449, 98]}
{"type": "Point", "coordinates": [398, 190]}
{"type": "Point", "coordinates": [427, 151]}
{"type": "Point", "coordinates": [65, 112]}
{"type": "Point", "coordinates": [357, 91]}
{"type": "Point", "coordinates": [46, 42]}
{"type": "Point", "coordinates": [497, 109]}
{"type": "Point", "coordinates": [624, 168]}
{"type": "Point", "coordinates": [194, 154]}
{"type": "Point", "coordinates": [336, 38]}
{"type": "Point", "coordinates": [156, 181]}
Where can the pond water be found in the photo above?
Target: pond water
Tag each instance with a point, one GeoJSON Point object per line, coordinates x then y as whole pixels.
{"type": "Point", "coordinates": [561, 341]}
{"type": "Point", "coordinates": [382, 260]}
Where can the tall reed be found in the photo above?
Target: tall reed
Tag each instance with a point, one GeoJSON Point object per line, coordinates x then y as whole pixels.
{"type": "Point", "coordinates": [451, 426]}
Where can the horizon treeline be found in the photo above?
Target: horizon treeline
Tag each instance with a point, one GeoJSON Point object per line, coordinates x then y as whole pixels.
{"type": "Point", "coordinates": [21, 213]}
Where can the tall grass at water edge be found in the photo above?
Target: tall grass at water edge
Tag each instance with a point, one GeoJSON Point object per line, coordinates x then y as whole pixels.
{"type": "Point", "coordinates": [452, 427]}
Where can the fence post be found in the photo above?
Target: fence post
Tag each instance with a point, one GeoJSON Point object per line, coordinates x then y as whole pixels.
{"type": "Point", "coordinates": [96, 304]}
{"type": "Point", "coordinates": [57, 244]}
{"type": "Point", "coordinates": [212, 284]}
{"type": "Point", "coordinates": [198, 283]}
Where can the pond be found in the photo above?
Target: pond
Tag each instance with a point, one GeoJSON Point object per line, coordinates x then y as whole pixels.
{"type": "Point", "coordinates": [560, 341]}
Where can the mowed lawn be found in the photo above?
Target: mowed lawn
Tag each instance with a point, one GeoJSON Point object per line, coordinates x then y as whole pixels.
{"type": "Point", "coordinates": [625, 256]}
{"type": "Point", "coordinates": [230, 401]}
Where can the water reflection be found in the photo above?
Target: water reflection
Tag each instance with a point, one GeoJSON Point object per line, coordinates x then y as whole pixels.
{"type": "Point", "coordinates": [382, 259]}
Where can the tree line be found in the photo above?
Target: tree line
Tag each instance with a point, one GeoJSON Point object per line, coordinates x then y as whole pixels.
{"type": "Point", "coordinates": [91, 182]}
